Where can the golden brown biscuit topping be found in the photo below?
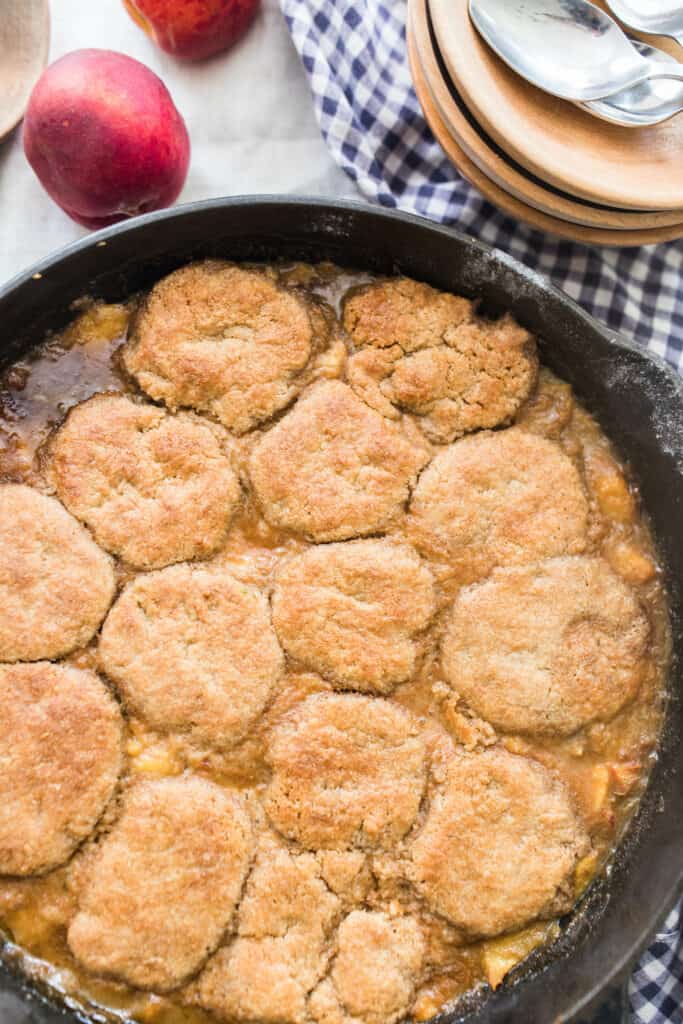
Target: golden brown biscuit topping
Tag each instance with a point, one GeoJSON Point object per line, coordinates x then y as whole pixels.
{"type": "Point", "coordinates": [162, 887]}
{"type": "Point", "coordinates": [502, 498]}
{"type": "Point", "coordinates": [499, 845]}
{"type": "Point", "coordinates": [277, 851]}
{"type": "Point", "coordinates": [55, 583]}
{"type": "Point", "coordinates": [286, 918]}
{"type": "Point", "coordinates": [547, 648]}
{"type": "Point", "coordinates": [347, 771]}
{"type": "Point", "coordinates": [61, 739]}
{"type": "Point", "coordinates": [378, 959]}
{"type": "Point", "coordinates": [426, 352]}
{"type": "Point", "coordinates": [221, 339]}
{"type": "Point", "coordinates": [192, 649]}
{"type": "Point", "coordinates": [352, 612]}
{"type": "Point", "coordinates": [333, 468]}
{"type": "Point", "coordinates": [153, 488]}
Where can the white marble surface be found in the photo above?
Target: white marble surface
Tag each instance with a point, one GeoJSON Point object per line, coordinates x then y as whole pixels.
{"type": "Point", "coordinates": [248, 112]}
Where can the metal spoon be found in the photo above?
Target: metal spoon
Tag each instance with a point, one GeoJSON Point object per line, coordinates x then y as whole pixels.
{"type": "Point", "coordinates": [657, 17]}
{"type": "Point", "coordinates": [569, 48]}
{"type": "Point", "coordinates": [648, 103]}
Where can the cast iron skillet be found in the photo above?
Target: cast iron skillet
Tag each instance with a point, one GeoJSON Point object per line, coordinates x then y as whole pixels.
{"type": "Point", "coordinates": [639, 402]}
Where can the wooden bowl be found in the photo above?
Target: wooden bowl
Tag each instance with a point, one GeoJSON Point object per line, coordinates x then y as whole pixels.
{"type": "Point", "coordinates": [503, 200]}
{"type": "Point", "coordinates": [24, 45]}
{"type": "Point", "coordinates": [490, 159]}
{"type": "Point", "coordinates": [634, 168]}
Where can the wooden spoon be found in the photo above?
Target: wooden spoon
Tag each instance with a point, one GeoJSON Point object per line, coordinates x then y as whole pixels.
{"type": "Point", "coordinates": [24, 45]}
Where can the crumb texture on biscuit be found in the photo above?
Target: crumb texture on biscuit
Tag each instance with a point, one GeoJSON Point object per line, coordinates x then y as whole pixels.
{"type": "Point", "coordinates": [502, 498]}
{"type": "Point", "coordinates": [281, 949]}
{"type": "Point", "coordinates": [56, 585]}
{"type": "Point", "coordinates": [547, 648]}
{"type": "Point", "coordinates": [61, 753]}
{"type": "Point", "coordinates": [162, 887]}
{"type": "Point", "coordinates": [351, 611]}
{"type": "Point", "coordinates": [221, 339]}
{"type": "Point", "coordinates": [333, 468]}
{"type": "Point", "coordinates": [347, 873]}
{"type": "Point", "coordinates": [153, 488]}
{"type": "Point", "coordinates": [499, 845]}
{"type": "Point", "coordinates": [348, 771]}
{"type": "Point", "coordinates": [192, 649]}
{"type": "Point", "coordinates": [374, 973]}
{"type": "Point", "coordinates": [425, 352]}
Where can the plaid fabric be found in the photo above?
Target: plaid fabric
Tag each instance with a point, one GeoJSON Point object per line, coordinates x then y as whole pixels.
{"type": "Point", "coordinates": [354, 53]}
{"type": "Point", "coordinates": [656, 988]}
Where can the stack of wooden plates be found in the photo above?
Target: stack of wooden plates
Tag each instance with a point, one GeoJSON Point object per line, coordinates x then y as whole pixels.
{"type": "Point", "coordinates": [541, 159]}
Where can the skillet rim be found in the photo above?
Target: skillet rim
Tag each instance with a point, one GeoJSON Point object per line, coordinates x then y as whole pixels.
{"type": "Point", "coordinates": [351, 206]}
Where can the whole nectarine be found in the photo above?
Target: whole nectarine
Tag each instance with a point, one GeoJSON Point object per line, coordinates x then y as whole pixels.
{"type": "Point", "coordinates": [105, 138]}
{"type": "Point", "coordinates": [193, 29]}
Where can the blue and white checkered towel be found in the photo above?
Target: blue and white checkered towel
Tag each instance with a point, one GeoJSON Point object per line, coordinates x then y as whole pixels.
{"type": "Point", "coordinates": [354, 52]}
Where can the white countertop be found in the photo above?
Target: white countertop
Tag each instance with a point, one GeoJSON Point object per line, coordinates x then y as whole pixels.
{"type": "Point", "coordinates": [248, 112]}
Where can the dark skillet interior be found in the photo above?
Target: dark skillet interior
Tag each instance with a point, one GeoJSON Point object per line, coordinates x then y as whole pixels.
{"type": "Point", "coordinates": [639, 403]}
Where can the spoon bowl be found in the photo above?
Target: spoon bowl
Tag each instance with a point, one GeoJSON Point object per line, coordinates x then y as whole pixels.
{"type": "Point", "coordinates": [647, 103]}
{"type": "Point", "coordinates": [24, 45]}
{"type": "Point", "coordinates": [568, 48]}
{"type": "Point", "coordinates": [655, 17]}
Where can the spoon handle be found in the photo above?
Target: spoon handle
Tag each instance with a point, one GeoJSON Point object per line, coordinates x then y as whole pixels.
{"type": "Point", "coordinates": [658, 70]}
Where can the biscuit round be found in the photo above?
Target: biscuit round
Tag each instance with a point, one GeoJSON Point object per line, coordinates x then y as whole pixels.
{"type": "Point", "coordinates": [547, 648]}
{"type": "Point", "coordinates": [502, 498]}
{"type": "Point", "coordinates": [192, 649]}
{"type": "Point", "coordinates": [424, 351]}
{"type": "Point", "coordinates": [55, 583]}
{"type": "Point", "coordinates": [161, 889]}
{"type": "Point", "coordinates": [221, 339]}
{"type": "Point", "coordinates": [280, 950]}
{"type": "Point", "coordinates": [375, 970]}
{"type": "Point", "coordinates": [333, 468]}
{"type": "Point", "coordinates": [401, 311]}
{"type": "Point", "coordinates": [351, 611]}
{"type": "Point", "coordinates": [61, 753]}
{"type": "Point", "coordinates": [153, 488]}
{"type": "Point", "coordinates": [499, 844]}
{"type": "Point", "coordinates": [348, 771]}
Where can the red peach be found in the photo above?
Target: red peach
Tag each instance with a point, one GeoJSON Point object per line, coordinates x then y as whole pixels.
{"type": "Point", "coordinates": [193, 29]}
{"type": "Point", "coordinates": [105, 138]}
